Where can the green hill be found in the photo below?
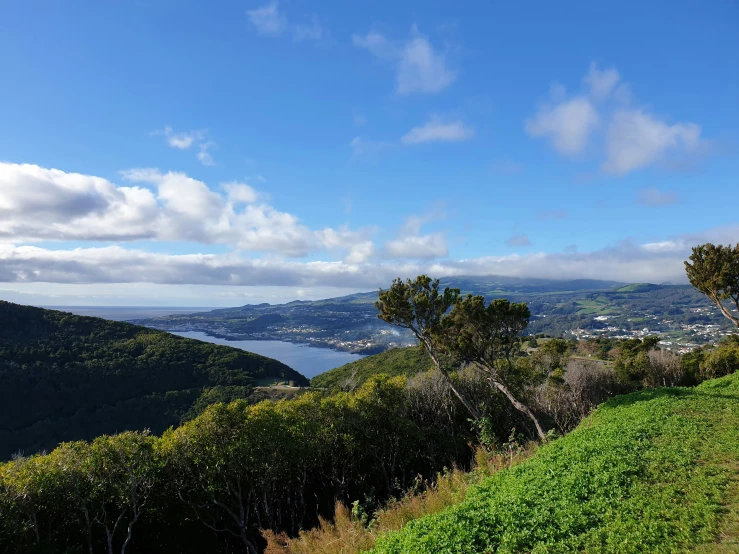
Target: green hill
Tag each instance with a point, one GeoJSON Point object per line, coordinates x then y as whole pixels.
{"type": "Point", "coordinates": [398, 361]}
{"type": "Point", "coordinates": [638, 287]}
{"type": "Point", "coordinates": [654, 471]}
{"type": "Point", "coordinates": [66, 377]}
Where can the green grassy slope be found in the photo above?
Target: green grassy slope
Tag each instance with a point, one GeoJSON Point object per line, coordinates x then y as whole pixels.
{"type": "Point", "coordinates": [653, 471]}
{"type": "Point", "coordinates": [398, 361]}
{"type": "Point", "coordinates": [66, 377]}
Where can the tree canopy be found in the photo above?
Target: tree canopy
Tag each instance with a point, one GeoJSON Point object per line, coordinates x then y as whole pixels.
{"type": "Point", "coordinates": [715, 272]}
{"type": "Point", "coordinates": [65, 377]}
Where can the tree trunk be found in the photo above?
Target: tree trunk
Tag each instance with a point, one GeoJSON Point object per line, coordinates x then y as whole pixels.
{"type": "Point", "coordinates": [521, 407]}
{"type": "Point", "coordinates": [470, 408]}
{"type": "Point", "coordinates": [725, 311]}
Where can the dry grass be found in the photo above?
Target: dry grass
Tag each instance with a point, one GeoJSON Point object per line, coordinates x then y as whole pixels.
{"type": "Point", "coordinates": [348, 534]}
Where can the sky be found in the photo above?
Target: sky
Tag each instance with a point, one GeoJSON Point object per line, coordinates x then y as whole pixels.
{"type": "Point", "coordinates": [182, 152]}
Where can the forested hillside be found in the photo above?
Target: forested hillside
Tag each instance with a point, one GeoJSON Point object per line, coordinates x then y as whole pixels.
{"type": "Point", "coordinates": [65, 377]}
{"type": "Point", "coordinates": [398, 361]}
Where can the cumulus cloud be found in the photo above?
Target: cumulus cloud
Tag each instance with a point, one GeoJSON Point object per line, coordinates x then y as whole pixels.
{"type": "Point", "coordinates": [268, 20]}
{"type": "Point", "coordinates": [49, 204]}
{"type": "Point", "coordinates": [601, 83]}
{"type": "Point", "coordinates": [636, 139]}
{"type": "Point", "coordinates": [436, 130]}
{"type": "Point", "coordinates": [38, 203]}
{"type": "Point", "coordinates": [356, 244]}
{"type": "Point", "coordinates": [567, 124]}
{"type": "Point", "coordinates": [412, 244]}
{"type": "Point", "coordinates": [655, 197]}
{"type": "Point", "coordinates": [418, 66]}
{"type": "Point", "coordinates": [633, 137]}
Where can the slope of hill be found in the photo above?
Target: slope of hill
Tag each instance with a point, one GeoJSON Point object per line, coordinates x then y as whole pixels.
{"type": "Point", "coordinates": [65, 377]}
{"type": "Point", "coordinates": [654, 471]}
{"type": "Point", "coordinates": [398, 361]}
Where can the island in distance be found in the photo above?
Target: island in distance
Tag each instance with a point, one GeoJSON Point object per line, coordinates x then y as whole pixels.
{"type": "Point", "coordinates": [581, 309]}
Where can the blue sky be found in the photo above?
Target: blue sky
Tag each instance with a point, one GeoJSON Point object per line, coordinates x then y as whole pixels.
{"type": "Point", "coordinates": [186, 152]}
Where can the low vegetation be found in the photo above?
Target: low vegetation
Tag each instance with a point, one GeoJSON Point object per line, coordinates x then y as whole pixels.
{"type": "Point", "coordinates": [376, 462]}
{"type": "Point", "coordinates": [647, 472]}
{"type": "Point", "coordinates": [397, 361]}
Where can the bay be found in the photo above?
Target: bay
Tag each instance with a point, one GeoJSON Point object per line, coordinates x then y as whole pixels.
{"type": "Point", "coordinates": [308, 360]}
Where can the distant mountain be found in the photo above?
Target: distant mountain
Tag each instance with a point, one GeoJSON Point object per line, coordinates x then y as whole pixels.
{"type": "Point", "coordinates": [66, 377]}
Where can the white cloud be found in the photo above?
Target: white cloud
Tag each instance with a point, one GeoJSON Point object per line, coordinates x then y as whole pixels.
{"type": "Point", "coordinates": [437, 130]}
{"type": "Point", "coordinates": [419, 67]}
{"type": "Point", "coordinates": [181, 141]}
{"type": "Point", "coordinates": [356, 245]}
{"type": "Point", "coordinates": [633, 139]}
{"type": "Point", "coordinates": [568, 124]}
{"type": "Point", "coordinates": [204, 156]}
{"type": "Point", "coordinates": [411, 244]}
{"type": "Point", "coordinates": [655, 197]}
{"type": "Point", "coordinates": [654, 262]}
{"type": "Point", "coordinates": [49, 204]}
{"type": "Point", "coordinates": [185, 140]}
{"type": "Point", "coordinates": [601, 83]}
{"type": "Point", "coordinates": [38, 203]}
{"type": "Point", "coordinates": [421, 247]}
{"type": "Point", "coordinates": [636, 139]}
{"type": "Point", "coordinates": [268, 20]}
{"type": "Point", "coordinates": [240, 193]}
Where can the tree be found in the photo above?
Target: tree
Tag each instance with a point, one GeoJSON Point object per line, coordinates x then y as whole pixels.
{"type": "Point", "coordinates": [120, 469]}
{"type": "Point", "coordinates": [419, 306]}
{"type": "Point", "coordinates": [489, 338]}
{"type": "Point", "coordinates": [715, 272]}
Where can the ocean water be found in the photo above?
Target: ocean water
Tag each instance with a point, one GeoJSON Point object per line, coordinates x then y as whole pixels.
{"type": "Point", "coordinates": [308, 360]}
{"type": "Point", "coordinates": [125, 313]}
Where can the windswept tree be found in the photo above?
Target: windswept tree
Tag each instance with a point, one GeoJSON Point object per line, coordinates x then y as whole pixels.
{"type": "Point", "coordinates": [715, 272]}
{"type": "Point", "coordinates": [489, 338]}
{"type": "Point", "coordinates": [419, 306]}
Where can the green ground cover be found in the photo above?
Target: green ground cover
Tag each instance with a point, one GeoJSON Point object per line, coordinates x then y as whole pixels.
{"type": "Point", "coordinates": [653, 471]}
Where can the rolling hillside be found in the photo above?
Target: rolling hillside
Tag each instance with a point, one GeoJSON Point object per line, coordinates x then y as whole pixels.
{"type": "Point", "coordinates": [350, 323]}
{"type": "Point", "coordinates": [653, 471]}
{"type": "Point", "coordinates": [65, 377]}
{"type": "Point", "coordinates": [398, 361]}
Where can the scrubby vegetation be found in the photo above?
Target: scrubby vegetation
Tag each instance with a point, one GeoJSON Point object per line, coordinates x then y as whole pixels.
{"type": "Point", "coordinates": [66, 377]}
{"type": "Point", "coordinates": [394, 362]}
{"type": "Point", "coordinates": [211, 484]}
{"type": "Point", "coordinates": [385, 465]}
{"type": "Point", "coordinates": [648, 472]}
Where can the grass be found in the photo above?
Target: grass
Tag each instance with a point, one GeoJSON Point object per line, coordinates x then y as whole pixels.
{"type": "Point", "coordinates": [350, 533]}
{"type": "Point", "coordinates": [398, 361]}
{"type": "Point", "coordinates": [654, 471]}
